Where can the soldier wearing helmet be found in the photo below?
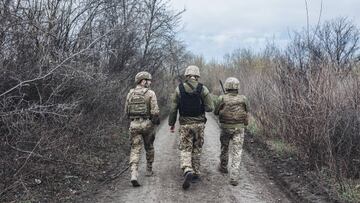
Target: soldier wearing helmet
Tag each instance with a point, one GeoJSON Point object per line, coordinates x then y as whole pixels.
{"type": "Point", "coordinates": [142, 109]}
{"type": "Point", "coordinates": [232, 110]}
{"type": "Point", "coordinates": [192, 99]}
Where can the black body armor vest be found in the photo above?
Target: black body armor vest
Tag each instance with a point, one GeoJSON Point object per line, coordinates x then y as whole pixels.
{"type": "Point", "coordinates": [191, 104]}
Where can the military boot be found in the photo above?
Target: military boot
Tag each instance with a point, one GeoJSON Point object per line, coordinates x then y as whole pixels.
{"type": "Point", "coordinates": [196, 178]}
{"type": "Point", "coordinates": [234, 182]}
{"type": "Point", "coordinates": [134, 181]}
{"type": "Point", "coordinates": [188, 178]}
{"type": "Point", "coordinates": [149, 171]}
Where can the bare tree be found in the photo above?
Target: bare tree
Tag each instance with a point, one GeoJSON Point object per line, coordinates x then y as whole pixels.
{"type": "Point", "coordinates": [66, 64]}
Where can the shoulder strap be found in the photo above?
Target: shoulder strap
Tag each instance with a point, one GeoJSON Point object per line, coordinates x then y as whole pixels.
{"type": "Point", "coordinates": [199, 88]}
{"type": "Point", "coordinates": [146, 90]}
{"type": "Point", "coordinates": [140, 91]}
{"type": "Point", "coordinates": [181, 88]}
{"type": "Point", "coordinates": [190, 85]}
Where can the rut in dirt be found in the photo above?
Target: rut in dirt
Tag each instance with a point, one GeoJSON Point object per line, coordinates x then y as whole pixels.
{"type": "Point", "coordinates": [166, 184]}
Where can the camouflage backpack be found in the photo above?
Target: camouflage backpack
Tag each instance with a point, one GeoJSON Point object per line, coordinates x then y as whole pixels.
{"type": "Point", "coordinates": [138, 107]}
{"type": "Point", "coordinates": [233, 109]}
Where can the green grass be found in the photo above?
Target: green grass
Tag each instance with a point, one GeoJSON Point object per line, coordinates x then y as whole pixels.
{"type": "Point", "coordinates": [281, 148]}
{"type": "Point", "coordinates": [253, 127]}
{"type": "Point", "coordinates": [349, 192]}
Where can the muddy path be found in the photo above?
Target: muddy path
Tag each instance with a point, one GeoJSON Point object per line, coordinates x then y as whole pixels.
{"type": "Point", "coordinates": [165, 185]}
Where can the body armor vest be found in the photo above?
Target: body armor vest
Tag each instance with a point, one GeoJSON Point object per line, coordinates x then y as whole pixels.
{"type": "Point", "coordinates": [233, 110]}
{"type": "Point", "coordinates": [191, 104]}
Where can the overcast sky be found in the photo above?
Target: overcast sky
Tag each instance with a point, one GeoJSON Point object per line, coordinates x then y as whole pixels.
{"type": "Point", "coordinates": [213, 28]}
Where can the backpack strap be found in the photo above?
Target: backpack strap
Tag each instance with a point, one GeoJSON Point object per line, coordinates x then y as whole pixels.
{"type": "Point", "coordinates": [147, 101]}
{"type": "Point", "coordinates": [146, 90]}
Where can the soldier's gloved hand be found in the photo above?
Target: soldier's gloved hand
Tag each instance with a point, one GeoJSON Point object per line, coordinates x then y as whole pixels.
{"type": "Point", "coordinates": [155, 119]}
{"type": "Point", "coordinates": [172, 129]}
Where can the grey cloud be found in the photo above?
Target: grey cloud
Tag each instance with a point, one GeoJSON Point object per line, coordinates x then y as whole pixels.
{"type": "Point", "coordinates": [214, 28]}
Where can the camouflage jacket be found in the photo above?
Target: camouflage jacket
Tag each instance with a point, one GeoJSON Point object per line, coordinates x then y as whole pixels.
{"type": "Point", "coordinates": [220, 105]}
{"type": "Point", "coordinates": [206, 98]}
{"type": "Point", "coordinates": [150, 97]}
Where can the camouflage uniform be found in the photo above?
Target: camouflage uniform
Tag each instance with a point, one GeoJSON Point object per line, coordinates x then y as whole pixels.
{"type": "Point", "coordinates": [142, 130]}
{"type": "Point", "coordinates": [191, 142]}
{"type": "Point", "coordinates": [191, 128]}
{"type": "Point", "coordinates": [232, 110]}
{"type": "Point", "coordinates": [235, 136]}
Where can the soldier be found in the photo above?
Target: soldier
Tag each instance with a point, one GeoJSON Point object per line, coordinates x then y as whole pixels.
{"type": "Point", "coordinates": [143, 111]}
{"type": "Point", "coordinates": [232, 110]}
{"type": "Point", "coordinates": [192, 99]}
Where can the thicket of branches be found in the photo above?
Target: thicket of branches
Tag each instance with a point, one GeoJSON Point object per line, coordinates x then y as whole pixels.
{"type": "Point", "coordinates": [307, 95]}
{"type": "Point", "coordinates": [66, 67]}
{"type": "Point", "coordinates": [319, 86]}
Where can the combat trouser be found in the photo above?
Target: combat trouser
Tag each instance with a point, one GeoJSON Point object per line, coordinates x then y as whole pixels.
{"type": "Point", "coordinates": [142, 132]}
{"type": "Point", "coordinates": [235, 138]}
{"type": "Point", "coordinates": [191, 142]}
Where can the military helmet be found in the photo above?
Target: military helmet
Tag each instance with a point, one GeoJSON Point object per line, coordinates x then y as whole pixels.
{"type": "Point", "coordinates": [232, 83]}
{"type": "Point", "coordinates": [192, 70]}
{"type": "Point", "coordinates": [143, 75]}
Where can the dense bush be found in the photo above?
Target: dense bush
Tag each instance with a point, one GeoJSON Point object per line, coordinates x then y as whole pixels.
{"type": "Point", "coordinates": [66, 67]}
{"type": "Point", "coordinates": [307, 94]}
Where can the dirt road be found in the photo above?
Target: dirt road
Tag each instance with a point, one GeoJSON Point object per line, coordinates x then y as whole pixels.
{"type": "Point", "coordinates": [165, 185]}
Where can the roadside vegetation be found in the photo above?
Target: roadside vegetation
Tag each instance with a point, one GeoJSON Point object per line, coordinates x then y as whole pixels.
{"type": "Point", "coordinates": [66, 67]}
{"type": "Point", "coordinates": [305, 98]}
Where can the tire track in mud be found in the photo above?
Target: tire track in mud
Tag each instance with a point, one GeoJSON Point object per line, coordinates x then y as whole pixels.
{"type": "Point", "coordinates": [165, 184]}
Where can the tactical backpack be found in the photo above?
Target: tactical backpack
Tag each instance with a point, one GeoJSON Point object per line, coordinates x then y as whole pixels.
{"type": "Point", "coordinates": [191, 103]}
{"type": "Point", "coordinates": [233, 110]}
{"type": "Point", "coordinates": [138, 107]}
